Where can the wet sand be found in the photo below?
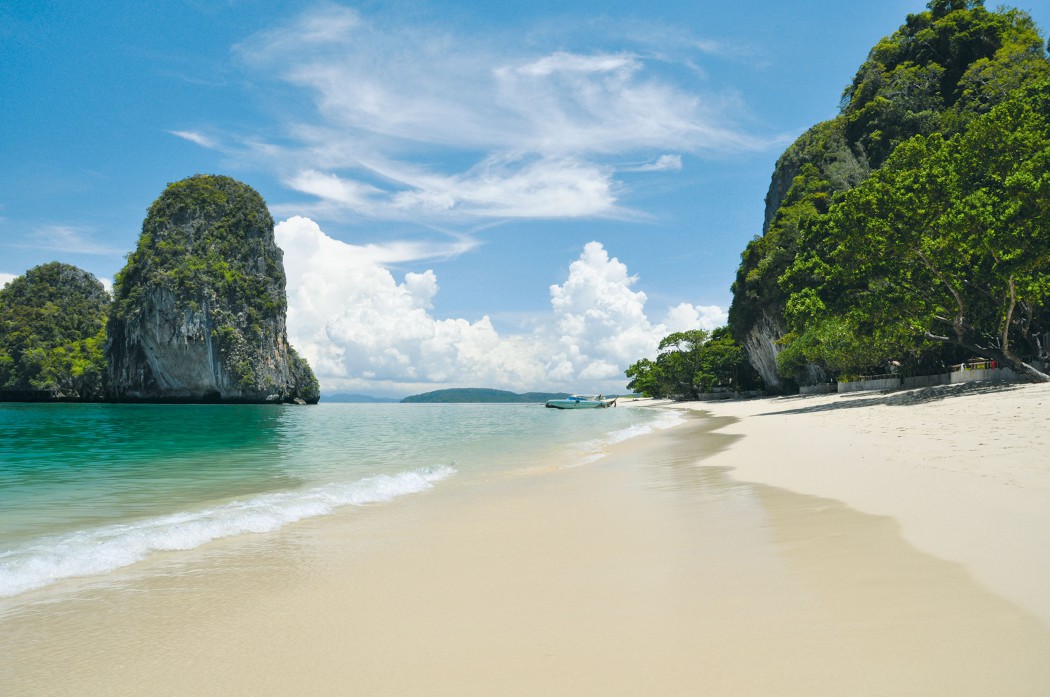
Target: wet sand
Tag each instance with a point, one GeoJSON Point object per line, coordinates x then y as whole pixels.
{"type": "Point", "coordinates": [963, 469]}
{"type": "Point", "coordinates": [659, 570]}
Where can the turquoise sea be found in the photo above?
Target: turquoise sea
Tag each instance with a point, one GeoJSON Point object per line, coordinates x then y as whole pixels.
{"type": "Point", "coordinates": [87, 489]}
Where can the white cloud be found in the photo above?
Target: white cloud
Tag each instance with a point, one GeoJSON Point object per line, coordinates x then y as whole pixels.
{"type": "Point", "coordinates": [562, 62]}
{"type": "Point", "coordinates": [334, 189]}
{"type": "Point", "coordinates": [359, 326]}
{"type": "Point", "coordinates": [65, 238]}
{"type": "Point", "coordinates": [599, 321]}
{"type": "Point", "coordinates": [363, 329]}
{"type": "Point", "coordinates": [664, 163]}
{"type": "Point", "coordinates": [426, 122]}
{"type": "Point", "coordinates": [6, 278]}
{"type": "Point", "coordinates": [198, 138]}
{"type": "Point", "coordinates": [547, 188]}
{"type": "Point", "coordinates": [496, 188]}
{"type": "Point", "coordinates": [330, 24]}
{"type": "Point", "coordinates": [685, 316]}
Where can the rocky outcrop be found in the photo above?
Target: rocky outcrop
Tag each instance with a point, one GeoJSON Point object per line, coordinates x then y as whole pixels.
{"type": "Point", "coordinates": [199, 310]}
{"type": "Point", "coordinates": [760, 342]}
{"type": "Point", "coordinates": [909, 85]}
{"type": "Point", "coordinates": [826, 148]}
{"type": "Point", "coordinates": [817, 166]}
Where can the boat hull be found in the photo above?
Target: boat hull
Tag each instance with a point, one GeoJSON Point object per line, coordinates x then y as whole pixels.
{"type": "Point", "coordinates": [580, 403]}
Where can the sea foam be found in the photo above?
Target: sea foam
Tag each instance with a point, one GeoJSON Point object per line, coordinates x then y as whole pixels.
{"type": "Point", "coordinates": [101, 550]}
{"type": "Point", "coordinates": [667, 419]}
{"type": "Point", "coordinates": [596, 449]}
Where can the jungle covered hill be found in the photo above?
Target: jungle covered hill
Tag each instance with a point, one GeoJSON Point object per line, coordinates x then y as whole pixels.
{"type": "Point", "coordinates": [199, 310]}
{"type": "Point", "coordinates": [913, 229]}
{"type": "Point", "coordinates": [52, 335]}
{"type": "Point", "coordinates": [197, 314]}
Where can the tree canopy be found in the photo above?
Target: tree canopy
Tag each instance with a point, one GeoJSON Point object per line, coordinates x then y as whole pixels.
{"type": "Point", "coordinates": [52, 333]}
{"type": "Point", "coordinates": [948, 243]}
{"type": "Point", "coordinates": [692, 363]}
{"type": "Point", "coordinates": [928, 183]}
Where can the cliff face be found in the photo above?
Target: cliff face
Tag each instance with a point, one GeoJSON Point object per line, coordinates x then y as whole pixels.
{"type": "Point", "coordinates": [760, 342]}
{"type": "Point", "coordinates": [941, 69]}
{"type": "Point", "coordinates": [199, 309]}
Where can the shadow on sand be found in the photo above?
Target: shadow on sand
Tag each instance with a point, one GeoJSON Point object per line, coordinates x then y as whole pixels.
{"type": "Point", "coordinates": [895, 398]}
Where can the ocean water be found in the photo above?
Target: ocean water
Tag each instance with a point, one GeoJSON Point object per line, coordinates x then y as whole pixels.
{"type": "Point", "coordinates": [88, 489]}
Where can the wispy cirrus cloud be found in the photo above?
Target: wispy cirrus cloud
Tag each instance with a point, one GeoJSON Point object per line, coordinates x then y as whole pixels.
{"type": "Point", "coordinates": [429, 122]}
{"type": "Point", "coordinates": [64, 238]}
{"type": "Point", "coordinates": [664, 163]}
{"type": "Point", "coordinates": [197, 138]}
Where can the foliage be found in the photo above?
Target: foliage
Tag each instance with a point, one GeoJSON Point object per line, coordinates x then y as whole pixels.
{"type": "Point", "coordinates": [931, 83]}
{"type": "Point", "coordinates": [52, 333]}
{"type": "Point", "coordinates": [207, 242]}
{"type": "Point", "coordinates": [947, 243]}
{"type": "Point", "coordinates": [691, 363]}
{"type": "Point", "coordinates": [208, 239]}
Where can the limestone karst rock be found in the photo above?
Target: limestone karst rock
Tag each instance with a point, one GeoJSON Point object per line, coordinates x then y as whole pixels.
{"type": "Point", "coordinates": [939, 72]}
{"type": "Point", "coordinates": [199, 310]}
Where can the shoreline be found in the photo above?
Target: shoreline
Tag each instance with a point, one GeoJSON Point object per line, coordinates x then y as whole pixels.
{"type": "Point", "coordinates": [659, 569]}
{"type": "Point", "coordinates": [963, 469]}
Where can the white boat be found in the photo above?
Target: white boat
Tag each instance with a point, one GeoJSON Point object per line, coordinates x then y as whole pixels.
{"type": "Point", "coordinates": [578, 401]}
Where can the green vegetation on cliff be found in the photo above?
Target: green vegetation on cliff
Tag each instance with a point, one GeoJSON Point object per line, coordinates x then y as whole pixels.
{"type": "Point", "coordinates": [870, 214]}
{"type": "Point", "coordinates": [204, 239]}
{"type": "Point", "coordinates": [206, 268]}
{"type": "Point", "coordinates": [52, 332]}
{"type": "Point", "coordinates": [948, 244]}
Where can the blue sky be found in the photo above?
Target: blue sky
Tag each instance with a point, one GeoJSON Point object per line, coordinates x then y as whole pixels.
{"type": "Point", "coordinates": [468, 194]}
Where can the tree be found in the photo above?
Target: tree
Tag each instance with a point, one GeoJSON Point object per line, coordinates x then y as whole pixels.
{"type": "Point", "coordinates": [691, 363]}
{"type": "Point", "coordinates": [947, 243]}
{"type": "Point", "coordinates": [52, 332]}
{"type": "Point", "coordinates": [939, 71]}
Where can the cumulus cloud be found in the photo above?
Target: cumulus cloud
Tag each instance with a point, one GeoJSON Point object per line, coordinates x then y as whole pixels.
{"type": "Point", "coordinates": [364, 329]}
{"type": "Point", "coordinates": [599, 321]}
{"type": "Point", "coordinates": [429, 122]}
{"type": "Point", "coordinates": [6, 278]}
{"type": "Point", "coordinates": [361, 327]}
{"type": "Point", "coordinates": [686, 316]}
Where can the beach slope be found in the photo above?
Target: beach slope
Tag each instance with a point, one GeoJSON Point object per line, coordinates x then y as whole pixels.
{"type": "Point", "coordinates": [772, 547]}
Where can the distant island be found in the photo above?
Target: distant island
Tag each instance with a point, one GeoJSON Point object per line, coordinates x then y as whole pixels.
{"type": "Point", "coordinates": [351, 398]}
{"type": "Point", "coordinates": [477, 395]}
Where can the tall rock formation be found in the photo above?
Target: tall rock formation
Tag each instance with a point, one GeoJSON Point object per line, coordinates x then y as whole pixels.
{"type": "Point", "coordinates": [199, 310]}
{"type": "Point", "coordinates": [940, 70]}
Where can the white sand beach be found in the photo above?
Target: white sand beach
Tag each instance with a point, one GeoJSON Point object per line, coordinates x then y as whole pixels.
{"type": "Point", "coordinates": [872, 544]}
{"type": "Point", "coordinates": [963, 469]}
